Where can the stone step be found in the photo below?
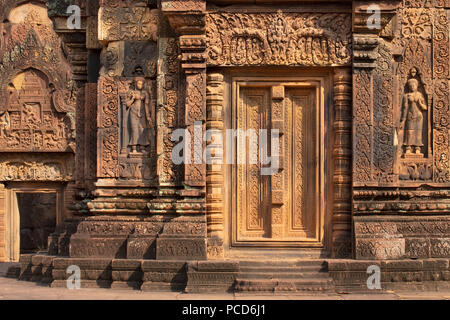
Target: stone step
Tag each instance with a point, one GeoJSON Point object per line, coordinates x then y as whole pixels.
{"type": "Point", "coordinates": [273, 269]}
{"type": "Point", "coordinates": [282, 263]}
{"type": "Point", "coordinates": [286, 275]}
{"type": "Point", "coordinates": [283, 285]}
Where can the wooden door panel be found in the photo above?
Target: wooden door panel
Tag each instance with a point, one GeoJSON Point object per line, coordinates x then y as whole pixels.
{"type": "Point", "coordinates": [281, 207]}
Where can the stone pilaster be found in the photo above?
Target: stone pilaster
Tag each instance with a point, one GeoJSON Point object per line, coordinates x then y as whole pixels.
{"type": "Point", "coordinates": [214, 167]}
{"type": "Point", "coordinates": [341, 235]}
{"type": "Point", "coordinates": [187, 19]}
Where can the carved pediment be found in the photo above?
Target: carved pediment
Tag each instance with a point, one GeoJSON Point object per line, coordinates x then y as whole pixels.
{"type": "Point", "coordinates": [302, 39]}
{"type": "Point", "coordinates": [35, 117]}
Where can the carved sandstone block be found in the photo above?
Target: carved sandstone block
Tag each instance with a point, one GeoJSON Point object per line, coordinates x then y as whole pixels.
{"type": "Point", "coordinates": [181, 249]}
{"type": "Point", "coordinates": [117, 24]}
{"type": "Point", "coordinates": [392, 248]}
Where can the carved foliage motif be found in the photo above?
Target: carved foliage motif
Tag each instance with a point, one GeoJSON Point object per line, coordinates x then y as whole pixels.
{"type": "Point", "coordinates": [22, 171]}
{"type": "Point", "coordinates": [129, 59]}
{"type": "Point", "coordinates": [178, 5]}
{"type": "Point", "coordinates": [278, 39]}
{"type": "Point", "coordinates": [441, 123]}
{"type": "Point", "coordinates": [108, 127]}
{"type": "Point", "coordinates": [167, 170]}
{"type": "Point", "coordinates": [417, 22]}
{"type": "Point", "coordinates": [383, 116]}
{"type": "Point", "coordinates": [195, 111]}
{"type": "Point", "coordinates": [138, 23]}
{"type": "Point", "coordinates": [362, 142]}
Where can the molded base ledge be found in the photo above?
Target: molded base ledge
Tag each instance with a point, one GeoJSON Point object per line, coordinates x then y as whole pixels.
{"type": "Point", "coordinates": [401, 237]}
{"type": "Point", "coordinates": [302, 275]}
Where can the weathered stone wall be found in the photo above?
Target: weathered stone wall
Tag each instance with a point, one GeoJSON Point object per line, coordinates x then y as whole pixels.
{"type": "Point", "coordinates": [38, 102]}
{"type": "Point", "coordinates": [163, 67]}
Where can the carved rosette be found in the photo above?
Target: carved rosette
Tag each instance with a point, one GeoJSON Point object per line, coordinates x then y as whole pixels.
{"type": "Point", "coordinates": [135, 23]}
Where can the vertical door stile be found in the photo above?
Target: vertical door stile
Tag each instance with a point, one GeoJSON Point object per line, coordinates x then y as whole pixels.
{"type": "Point", "coordinates": [278, 195]}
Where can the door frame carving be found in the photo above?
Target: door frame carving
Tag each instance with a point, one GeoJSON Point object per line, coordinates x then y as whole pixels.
{"type": "Point", "coordinates": [322, 76]}
{"type": "Point", "coordinates": [12, 214]}
{"type": "Point", "coordinates": [311, 83]}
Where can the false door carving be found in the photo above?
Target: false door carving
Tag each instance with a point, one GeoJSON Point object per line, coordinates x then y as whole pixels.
{"type": "Point", "coordinates": [282, 207]}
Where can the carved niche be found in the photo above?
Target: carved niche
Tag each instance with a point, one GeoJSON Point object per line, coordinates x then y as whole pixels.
{"type": "Point", "coordinates": [278, 39]}
{"type": "Point", "coordinates": [129, 59]}
{"type": "Point", "coordinates": [422, 112]}
{"type": "Point", "coordinates": [126, 129]}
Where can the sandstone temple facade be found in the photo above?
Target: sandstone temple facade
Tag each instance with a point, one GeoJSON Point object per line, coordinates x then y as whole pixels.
{"type": "Point", "coordinates": [94, 93]}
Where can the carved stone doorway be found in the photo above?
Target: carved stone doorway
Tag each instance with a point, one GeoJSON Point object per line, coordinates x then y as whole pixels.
{"type": "Point", "coordinates": [285, 209]}
{"type": "Point", "coordinates": [32, 213]}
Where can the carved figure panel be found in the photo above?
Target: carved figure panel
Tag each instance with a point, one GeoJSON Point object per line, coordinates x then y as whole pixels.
{"type": "Point", "coordinates": [278, 39]}
{"type": "Point", "coordinates": [137, 118]}
{"type": "Point", "coordinates": [415, 83]}
{"type": "Point", "coordinates": [412, 120]}
{"type": "Point", "coordinates": [35, 116]}
{"type": "Point", "coordinates": [36, 168]}
{"type": "Point", "coordinates": [126, 129]}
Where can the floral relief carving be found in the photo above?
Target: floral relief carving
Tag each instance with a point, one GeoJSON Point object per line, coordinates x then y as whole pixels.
{"type": "Point", "coordinates": [362, 157]}
{"type": "Point", "coordinates": [138, 23]}
{"type": "Point", "coordinates": [417, 22]}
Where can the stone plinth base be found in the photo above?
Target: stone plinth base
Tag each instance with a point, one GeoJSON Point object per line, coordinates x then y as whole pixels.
{"type": "Point", "coordinates": [147, 275]}
{"type": "Point", "coordinates": [401, 237]}
{"type": "Point", "coordinates": [420, 274]}
{"type": "Point", "coordinates": [211, 276]}
{"type": "Point", "coordinates": [222, 276]}
{"type": "Point", "coordinates": [162, 237]}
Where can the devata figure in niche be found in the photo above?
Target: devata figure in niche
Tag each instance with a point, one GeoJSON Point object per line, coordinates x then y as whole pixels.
{"type": "Point", "coordinates": [138, 123]}
{"type": "Point", "coordinates": [5, 124]}
{"type": "Point", "coordinates": [412, 118]}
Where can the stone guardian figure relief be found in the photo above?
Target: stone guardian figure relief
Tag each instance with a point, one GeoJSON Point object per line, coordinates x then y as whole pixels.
{"type": "Point", "coordinates": [138, 123]}
{"type": "Point", "coordinates": [412, 118]}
